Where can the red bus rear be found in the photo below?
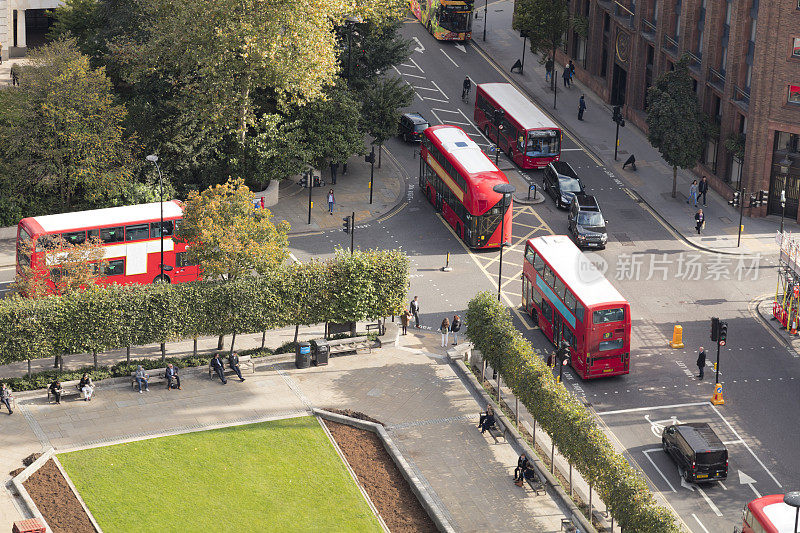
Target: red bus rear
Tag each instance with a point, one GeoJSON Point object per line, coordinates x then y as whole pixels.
{"type": "Point", "coordinates": [529, 137]}
{"type": "Point", "coordinates": [569, 299]}
{"type": "Point", "coordinates": [130, 236]}
{"type": "Point", "coordinates": [457, 178]}
{"type": "Point", "coordinates": [768, 514]}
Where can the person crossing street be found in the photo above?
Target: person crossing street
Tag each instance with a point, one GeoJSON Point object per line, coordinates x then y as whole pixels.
{"type": "Point", "coordinates": [701, 363]}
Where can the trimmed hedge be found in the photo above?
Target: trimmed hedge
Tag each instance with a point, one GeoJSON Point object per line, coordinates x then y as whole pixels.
{"type": "Point", "coordinates": [564, 418]}
{"type": "Point", "coordinates": [360, 286]}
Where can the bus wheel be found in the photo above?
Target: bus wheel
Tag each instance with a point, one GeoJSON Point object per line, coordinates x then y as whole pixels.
{"type": "Point", "coordinates": [162, 279]}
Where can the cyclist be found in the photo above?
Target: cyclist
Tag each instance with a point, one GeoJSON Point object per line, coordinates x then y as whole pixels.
{"type": "Point", "coordinates": [467, 87]}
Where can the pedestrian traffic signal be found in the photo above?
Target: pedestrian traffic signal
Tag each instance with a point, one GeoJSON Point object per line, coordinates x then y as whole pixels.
{"type": "Point", "coordinates": [346, 225]}
{"type": "Point", "coordinates": [499, 114]}
{"type": "Point", "coordinates": [617, 116]}
{"type": "Point", "coordinates": [736, 200]}
{"type": "Point", "coordinates": [763, 196]}
{"type": "Point", "coordinates": [723, 333]}
{"type": "Point", "coordinates": [754, 201]}
{"type": "Point", "coordinates": [714, 328]}
{"type": "Point", "coordinates": [370, 157]}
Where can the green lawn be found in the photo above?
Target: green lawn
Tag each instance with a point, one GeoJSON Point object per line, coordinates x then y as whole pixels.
{"type": "Point", "coordinates": [275, 476]}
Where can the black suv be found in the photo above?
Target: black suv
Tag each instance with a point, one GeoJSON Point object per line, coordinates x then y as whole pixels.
{"type": "Point", "coordinates": [562, 182]}
{"type": "Point", "coordinates": [586, 222]}
{"type": "Point", "coordinates": [698, 452]}
{"type": "Point", "coordinates": [412, 126]}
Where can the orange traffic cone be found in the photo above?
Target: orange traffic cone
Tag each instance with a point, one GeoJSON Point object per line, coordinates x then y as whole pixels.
{"type": "Point", "coordinates": [717, 399]}
{"type": "Point", "coordinates": [793, 330]}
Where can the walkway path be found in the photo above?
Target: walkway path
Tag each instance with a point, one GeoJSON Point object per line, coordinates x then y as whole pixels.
{"type": "Point", "coordinates": [652, 182]}
{"type": "Point", "coordinates": [412, 389]}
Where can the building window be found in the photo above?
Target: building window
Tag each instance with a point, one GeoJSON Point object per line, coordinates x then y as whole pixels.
{"type": "Point", "coordinates": [794, 94]}
{"type": "Point", "coordinates": [796, 46]}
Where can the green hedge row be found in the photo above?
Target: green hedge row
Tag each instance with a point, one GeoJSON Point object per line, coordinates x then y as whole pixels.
{"type": "Point", "coordinates": [565, 419]}
{"type": "Point", "coordinates": [348, 287]}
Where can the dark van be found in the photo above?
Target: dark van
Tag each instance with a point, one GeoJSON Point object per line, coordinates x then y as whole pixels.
{"type": "Point", "coordinates": [699, 453]}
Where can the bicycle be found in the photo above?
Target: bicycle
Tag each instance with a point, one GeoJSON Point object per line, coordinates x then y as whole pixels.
{"type": "Point", "coordinates": [465, 94]}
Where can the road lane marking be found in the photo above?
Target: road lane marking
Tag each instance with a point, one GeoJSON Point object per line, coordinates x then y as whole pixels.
{"type": "Point", "coordinates": [456, 112]}
{"type": "Point", "coordinates": [647, 454]}
{"type": "Point", "coordinates": [636, 409]}
{"type": "Point", "coordinates": [435, 99]}
{"type": "Point", "coordinates": [700, 523]}
{"type": "Point", "coordinates": [415, 76]}
{"type": "Point", "coordinates": [708, 501]}
{"type": "Point", "coordinates": [448, 57]}
{"type": "Point", "coordinates": [440, 90]}
{"type": "Point", "coordinates": [729, 442]}
{"type": "Point", "coordinates": [427, 88]}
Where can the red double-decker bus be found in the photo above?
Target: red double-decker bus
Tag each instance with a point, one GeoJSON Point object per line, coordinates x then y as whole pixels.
{"type": "Point", "coordinates": [570, 300]}
{"type": "Point", "coordinates": [768, 514]}
{"type": "Point", "coordinates": [529, 137]}
{"type": "Point", "coordinates": [457, 178]}
{"type": "Point", "coordinates": [130, 236]}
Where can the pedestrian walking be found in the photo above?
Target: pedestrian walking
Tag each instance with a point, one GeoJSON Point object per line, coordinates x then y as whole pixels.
{"type": "Point", "coordinates": [414, 307]}
{"type": "Point", "coordinates": [581, 107]}
{"type": "Point", "coordinates": [571, 70]}
{"type": "Point", "coordinates": [331, 201]}
{"type": "Point", "coordinates": [334, 170]}
{"type": "Point", "coordinates": [405, 318]}
{"type": "Point", "coordinates": [566, 77]}
{"type": "Point", "coordinates": [5, 397]}
{"type": "Point", "coordinates": [692, 193]}
{"type": "Point", "coordinates": [1, 53]}
{"type": "Point", "coordinates": [444, 329]}
{"type": "Point", "coordinates": [548, 69]}
{"type": "Point", "coordinates": [455, 327]}
{"type": "Point", "coordinates": [700, 220]}
{"type": "Point", "coordinates": [701, 363]}
{"type": "Point", "coordinates": [702, 189]}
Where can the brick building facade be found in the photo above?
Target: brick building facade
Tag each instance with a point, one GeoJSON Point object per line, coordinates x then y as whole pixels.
{"type": "Point", "coordinates": [744, 59]}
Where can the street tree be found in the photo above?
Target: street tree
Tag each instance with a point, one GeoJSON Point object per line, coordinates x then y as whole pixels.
{"type": "Point", "coordinates": [331, 126]}
{"type": "Point", "coordinates": [376, 47]}
{"type": "Point", "coordinates": [674, 120]}
{"type": "Point", "coordinates": [545, 22]}
{"type": "Point", "coordinates": [68, 141]}
{"type": "Point", "coordinates": [382, 103]}
{"type": "Point", "coordinates": [67, 267]}
{"type": "Point", "coordinates": [227, 237]}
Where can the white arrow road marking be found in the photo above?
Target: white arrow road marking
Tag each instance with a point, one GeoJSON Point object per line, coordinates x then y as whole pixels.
{"type": "Point", "coordinates": [684, 484]}
{"type": "Point", "coordinates": [744, 479]}
{"type": "Point", "coordinates": [461, 47]}
{"type": "Point", "coordinates": [647, 454]}
{"type": "Point", "coordinates": [420, 48]}
{"type": "Point", "coordinates": [448, 57]}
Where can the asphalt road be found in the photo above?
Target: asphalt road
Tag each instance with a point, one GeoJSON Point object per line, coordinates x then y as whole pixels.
{"type": "Point", "coordinates": [666, 281]}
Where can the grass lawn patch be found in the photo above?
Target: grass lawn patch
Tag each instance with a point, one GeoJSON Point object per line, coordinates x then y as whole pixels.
{"type": "Point", "coordinates": [282, 475]}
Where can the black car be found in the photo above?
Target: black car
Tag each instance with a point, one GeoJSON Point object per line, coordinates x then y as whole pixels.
{"type": "Point", "coordinates": [562, 182]}
{"type": "Point", "coordinates": [586, 222]}
{"type": "Point", "coordinates": [698, 452]}
{"type": "Point", "coordinates": [411, 127]}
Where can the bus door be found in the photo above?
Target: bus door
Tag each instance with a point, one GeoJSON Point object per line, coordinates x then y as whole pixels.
{"type": "Point", "coordinates": [557, 328]}
{"type": "Point", "coordinates": [546, 319]}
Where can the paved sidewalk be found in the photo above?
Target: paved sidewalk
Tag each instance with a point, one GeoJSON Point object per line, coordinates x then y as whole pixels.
{"type": "Point", "coordinates": [351, 193]}
{"type": "Point", "coordinates": [652, 182]}
{"type": "Point", "coordinates": [427, 409]}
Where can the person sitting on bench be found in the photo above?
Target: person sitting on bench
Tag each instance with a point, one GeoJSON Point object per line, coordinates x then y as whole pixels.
{"type": "Point", "coordinates": [56, 390]}
{"type": "Point", "coordinates": [486, 419]}
{"type": "Point", "coordinates": [519, 471]}
{"type": "Point", "coordinates": [170, 375]}
{"type": "Point", "coordinates": [86, 386]}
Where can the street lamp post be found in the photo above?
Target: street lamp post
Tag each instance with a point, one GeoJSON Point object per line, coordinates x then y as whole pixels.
{"type": "Point", "coordinates": [785, 163]}
{"type": "Point", "coordinates": [485, 14]}
{"type": "Point", "coordinates": [154, 159]}
{"type": "Point", "coordinates": [506, 189]}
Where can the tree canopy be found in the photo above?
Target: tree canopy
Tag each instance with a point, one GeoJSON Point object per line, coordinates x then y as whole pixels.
{"type": "Point", "coordinates": [674, 120]}
{"type": "Point", "coordinates": [382, 103]}
{"type": "Point", "coordinates": [544, 22]}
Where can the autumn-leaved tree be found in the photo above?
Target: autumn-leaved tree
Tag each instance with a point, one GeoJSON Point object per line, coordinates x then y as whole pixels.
{"type": "Point", "coordinates": [674, 121]}
{"type": "Point", "coordinates": [70, 138]}
{"type": "Point", "coordinates": [227, 237]}
{"type": "Point", "coordinates": [63, 268]}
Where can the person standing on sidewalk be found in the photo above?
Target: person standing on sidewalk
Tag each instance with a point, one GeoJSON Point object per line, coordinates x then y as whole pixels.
{"type": "Point", "coordinates": [565, 75]}
{"type": "Point", "coordinates": [702, 188]}
{"type": "Point", "coordinates": [581, 107]}
{"type": "Point", "coordinates": [5, 397]}
{"type": "Point", "coordinates": [444, 329]}
{"type": "Point", "coordinates": [692, 193]}
{"type": "Point", "coordinates": [548, 69]}
{"type": "Point", "coordinates": [334, 170]}
{"type": "Point", "coordinates": [455, 327]}
{"type": "Point", "coordinates": [405, 318]}
{"type": "Point", "coordinates": [701, 363]}
{"type": "Point", "coordinates": [700, 220]}
{"type": "Point", "coordinates": [331, 201]}
{"type": "Point", "coordinates": [414, 306]}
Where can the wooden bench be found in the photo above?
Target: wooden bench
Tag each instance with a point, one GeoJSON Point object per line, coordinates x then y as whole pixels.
{"type": "Point", "coordinates": [568, 525]}
{"type": "Point", "coordinates": [350, 344]}
{"type": "Point", "coordinates": [244, 361]}
{"type": "Point", "coordinates": [535, 482]}
{"type": "Point", "coordinates": [498, 429]}
{"type": "Point", "coordinates": [70, 388]}
{"type": "Point", "coordinates": [156, 375]}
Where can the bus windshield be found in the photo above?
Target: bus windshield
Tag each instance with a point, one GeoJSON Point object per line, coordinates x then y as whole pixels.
{"type": "Point", "coordinates": [542, 143]}
{"type": "Point", "coordinates": [454, 18]}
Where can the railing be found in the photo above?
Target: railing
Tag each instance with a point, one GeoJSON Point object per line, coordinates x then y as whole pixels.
{"type": "Point", "coordinates": [648, 27]}
{"type": "Point", "coordinates": [671, 45]}
{"type": "Point", "coordinates": [740, 94]}
{"type": "Point", "coordinates": [716, 78]}
{"type": "Point", "coordinates": [623, 12]}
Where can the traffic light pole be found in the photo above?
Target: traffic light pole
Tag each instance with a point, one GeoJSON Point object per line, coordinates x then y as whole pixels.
{"type": "Point", "coordinates": [616, 143]}
{"type": "Point", "coordinates": [352, 231]}
{"type": "Point", "coordinates": [717, 365]}
{"type": "Point", "coordinates": [310, 184]}
{"type": "Point", "coordinates": [741, 214]}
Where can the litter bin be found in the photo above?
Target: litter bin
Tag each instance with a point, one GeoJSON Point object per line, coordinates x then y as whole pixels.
{"type": "Point", "coordinates": [302, 356]}
{"type": "Point", "coordinates": [321, 352]}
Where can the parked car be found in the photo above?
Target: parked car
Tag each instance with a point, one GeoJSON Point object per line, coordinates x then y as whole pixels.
{"type": "Point", "coordinates": [698, 452]}
{"type": "Point", "coordinates": [411, 127]}
{"type": "Point", "coordinates": [562, 182]}
{"type": "Point", "coordinates": [586, 222]}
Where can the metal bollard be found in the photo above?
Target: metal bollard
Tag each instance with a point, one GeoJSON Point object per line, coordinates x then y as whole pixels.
{"type": "Point", "coordinates": [534, 191]}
